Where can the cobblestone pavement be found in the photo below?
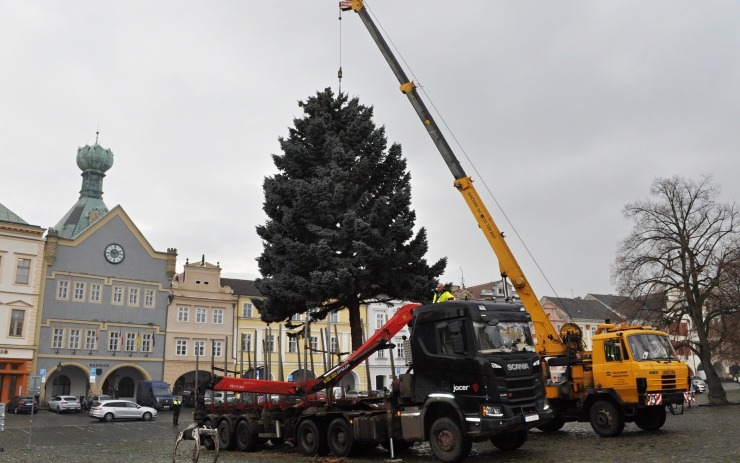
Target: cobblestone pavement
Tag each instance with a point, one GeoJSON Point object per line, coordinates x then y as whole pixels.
{"type": "Point", "coordinates": [703, 434]}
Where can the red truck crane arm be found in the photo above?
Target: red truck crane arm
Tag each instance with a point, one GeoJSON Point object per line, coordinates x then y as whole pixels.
{"type": "Point", "coordinates": [379, 340]}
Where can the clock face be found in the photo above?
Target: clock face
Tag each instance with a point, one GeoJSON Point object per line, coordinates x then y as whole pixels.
{"type": "Point", "coordinates": [114, 253]}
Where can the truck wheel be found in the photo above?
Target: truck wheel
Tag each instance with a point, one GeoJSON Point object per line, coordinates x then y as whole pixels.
{"type": "Point", "coordinates": [311, 440]}
{"type": "Point", "coordinates": [245, 440]}
{"type": "Point", "coordinates": [606, 420]}
{"type": "Point", "coordinates": [650, 418]}
{"type": "Point", "coordinates": [226, 435]}
{"type": "Point", "coordinates": [556, 424]}
{"type": "Point", "coordinates": [340, 437]}
{"type": "Point", "coordinates": [510, 440]}
{"type": "Point", "coordinates": [447, 441]}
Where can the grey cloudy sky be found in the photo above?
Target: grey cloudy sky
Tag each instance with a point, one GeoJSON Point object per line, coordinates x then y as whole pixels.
{"type": "Point", "coordinates": [565, 110]}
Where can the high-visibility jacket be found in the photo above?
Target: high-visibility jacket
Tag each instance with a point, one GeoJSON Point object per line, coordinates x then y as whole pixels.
{"type": "Point", "coordinates": [443, 296]}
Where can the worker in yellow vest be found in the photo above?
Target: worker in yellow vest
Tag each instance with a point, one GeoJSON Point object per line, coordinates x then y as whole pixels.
{"type": "Point", "coordinates": [442, 295]}
{"type": "Point", "coordinates": [176, 404]}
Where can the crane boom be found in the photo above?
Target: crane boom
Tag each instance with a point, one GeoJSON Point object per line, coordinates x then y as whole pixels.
{"type": "Point", "coordinates": [549, 342]}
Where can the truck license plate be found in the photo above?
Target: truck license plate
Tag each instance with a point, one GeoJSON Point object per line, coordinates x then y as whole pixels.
{"type": "Point", "coordinates": [528, 418]}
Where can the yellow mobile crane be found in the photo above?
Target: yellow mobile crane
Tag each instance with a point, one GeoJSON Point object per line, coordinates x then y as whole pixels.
{"type": "Point", "coordinates": [631, 374]}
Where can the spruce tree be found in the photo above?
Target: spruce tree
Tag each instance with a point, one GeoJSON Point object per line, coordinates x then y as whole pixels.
{"type": "Point", "coordinates": [339, 231]}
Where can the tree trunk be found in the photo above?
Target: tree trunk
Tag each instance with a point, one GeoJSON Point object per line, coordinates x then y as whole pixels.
{"type": "Point", "coordinates": [355, 325]}
{"type": "Point", "coordinates": [715, 391]}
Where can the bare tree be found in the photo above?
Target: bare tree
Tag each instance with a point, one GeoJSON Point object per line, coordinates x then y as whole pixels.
{"type": "Point", "coordinates": [682, 244]}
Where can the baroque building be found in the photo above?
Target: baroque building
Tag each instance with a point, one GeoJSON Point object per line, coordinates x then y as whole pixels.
{"type": "Point", "coordinates": [104, 298]}
{"type": "Point", "coordinates": [21, 256]}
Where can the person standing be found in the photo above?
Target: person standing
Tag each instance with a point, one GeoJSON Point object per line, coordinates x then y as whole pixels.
{"type": "Point", "coordinates": [176, 404]}
{"type": "Point", "coordinates": [442, 295]}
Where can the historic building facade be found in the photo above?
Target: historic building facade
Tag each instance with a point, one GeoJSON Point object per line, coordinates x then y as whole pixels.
{"type": "Point", "coordinates": [200, 326]}
{"type": "Point", "coordinates": [21, 257]}
{"type": "Point", "coordinates": [104, 300]}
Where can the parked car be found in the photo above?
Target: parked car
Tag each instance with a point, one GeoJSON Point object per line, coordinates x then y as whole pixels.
{"type": "Point", "coordinates": [22, 404]}
{"type": "Point", "coordinates": [91, 399]}
{"type": "Point", "coordinates": [698, 385]}
{"type": "Point", "coordinates": [219, 397]}
{"type": "Point", "coordinates": [64, 403]}
{"type": "Point", "coordinates": [110, 410]}
{"type": "Point", "coordinates": [351, 394]}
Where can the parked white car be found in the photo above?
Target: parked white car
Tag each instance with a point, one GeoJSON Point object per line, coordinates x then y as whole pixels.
{"type": "Point", "coordinates": [65, 403]}
{"type": "Point", "coordinates": [219, 397]}
{"type": "Point", "coordinates": [109, 410]}
{"type": "Point", "coordinates": [698, 385]}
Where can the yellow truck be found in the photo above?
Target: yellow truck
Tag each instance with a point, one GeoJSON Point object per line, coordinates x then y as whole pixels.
{"type": "Point", "coordinates": [631, 374]}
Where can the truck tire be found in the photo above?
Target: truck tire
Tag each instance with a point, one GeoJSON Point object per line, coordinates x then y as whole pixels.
{"type": "Point", "coordinates": [448, 442]}
{"type": "Point", "coordinates": [246, 441]}
{"type": "Point", "coordinates": [650, 418]}
{"type": "Point", "coordinates": [606, 419]}
{"type": "Point", "coordinates": [226, 438]}
{"type": "Point", "coordinates": [340, 438]}
{"type": "Point", "coordinates": [311, 439]}
{"type": "Point", "coordinates": [510, 440]}
{"type": "Point", "coordinates": [556, 424]}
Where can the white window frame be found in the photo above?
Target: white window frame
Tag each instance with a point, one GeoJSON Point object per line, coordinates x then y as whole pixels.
{"type": "Point", "coordinates": [114, 341]}
{"type": "Point", "coordinates": [96, 293]}
{"type": "Point", "coordinates": [217, 347]}
{"type": "Point", "coordinates": [399, 347]}
{"type": "Point", "coordinates": [201, 314]}
{"type": "Point", "coordinates": [15, 330]}
{"type": "Point", "coordinates": [91, 340]}
{"type": "Point", "coordinates": [130, 341]}
{"type": "Point", "coordinates": [117, 293]}
{"type": "Point", "coordinates": [247, 308]}
{"type": "Point", "coordinates": [292, 344]}
{"type": "Point", "coordinates": [149, 298]}
{"type": "Point", "coordinates": [218, 316]}
{"type": "Point", "coordinates": [57, 338]}
{"type": "Point", "coordinates": [334, 345]}
{"type": "Point", "coordinates": [380, 319]}
{"type": "Point", "coordinates": [74, 338]}
{"type": "Point", "coordinates": [199, 348]}
{"type": "Point", "coordinates": [183, 314]}
{"type": "Point", "coordinates": [23, 271]}
{"type": "Point", "coordinates": [147, 344]}
{"type": "Point", "coordinates": [181, 347]}
{"type": "Point", "coordinates": [62, 290]}
{"type": "Point", "coordinates": [246, 342]}
{"type": "Point", "coordinates": [78, 291]}
{"type": "Point", "coordinates": [133, 297]}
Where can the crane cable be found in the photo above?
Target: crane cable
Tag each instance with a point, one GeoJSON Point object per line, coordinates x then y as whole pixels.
{"type": "Point", "coordinates": [457, 142]}
{"type": "Point", "coordinates": [339, 73]}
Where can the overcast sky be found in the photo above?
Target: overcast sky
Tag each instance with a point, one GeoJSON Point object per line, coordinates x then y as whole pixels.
{"type": "Point", "coordinates": [566, 111]}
